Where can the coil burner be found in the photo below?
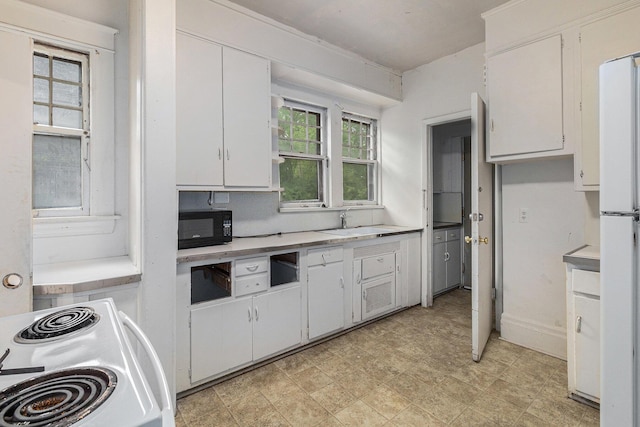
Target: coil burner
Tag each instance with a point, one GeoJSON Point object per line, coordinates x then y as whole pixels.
{"type": "Point", "coordinates": [59, 324]}
{"type": "Point", "coordinates": [59, 398]}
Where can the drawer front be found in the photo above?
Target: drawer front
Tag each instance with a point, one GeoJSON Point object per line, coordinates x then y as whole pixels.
{"type": "Point", "coordinates": [439, 236]}
{"type": "Point", "coordinates": [586, 282]}
{"type": "Point", "coordinates": [453, 234]}
{"type": "Point", "coordinates": [324, 256]}
{"type": "Point", "coordinates": [248, 266]}
{"type": "Point", "coordinates": [252, 284]}
{"type": "Point", "coordinates": [378, 265]}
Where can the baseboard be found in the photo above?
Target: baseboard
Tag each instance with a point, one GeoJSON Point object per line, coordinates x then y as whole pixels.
{"type": "Point", "coordinates": [534, 335]}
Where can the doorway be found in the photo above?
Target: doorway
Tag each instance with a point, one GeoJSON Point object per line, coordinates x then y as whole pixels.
{"type": "Point", "coordinates": [450, 193]}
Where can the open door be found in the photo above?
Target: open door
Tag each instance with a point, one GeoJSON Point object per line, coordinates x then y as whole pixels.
{"type": "Point", "coordinates": [481, 239]}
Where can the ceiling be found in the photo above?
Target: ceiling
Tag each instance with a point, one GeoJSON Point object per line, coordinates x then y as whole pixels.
{"type": "Point", "coordinates": [398, 34]}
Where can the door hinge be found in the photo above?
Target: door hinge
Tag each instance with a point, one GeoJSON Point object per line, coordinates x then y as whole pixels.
{"type": "Point", "coordinates": [484, 74]}
{"type": "Point", "coordinates": [580, 105]}
{"type": "Point", "coordinates": [579, 37]}
{"type": "Point", "coordinates": [189, 320]}
{"type": "Point", "coordinates": [562, 138]}
{"type": "Point", "coordinates": [493, 294]}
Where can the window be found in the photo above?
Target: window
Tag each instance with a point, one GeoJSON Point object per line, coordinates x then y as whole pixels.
{"type": "Point", "coordinates": [301, 143]}
{"type": "Point", "coordinates": [60, 132]}
{"type": "Point", "coordinates": [359, 160]}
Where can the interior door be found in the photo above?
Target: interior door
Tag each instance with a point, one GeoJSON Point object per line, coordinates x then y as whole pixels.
{"type": "Point", "coordinates": [481, 239]}
{"type": "Point", "coordinates": [15, 172]}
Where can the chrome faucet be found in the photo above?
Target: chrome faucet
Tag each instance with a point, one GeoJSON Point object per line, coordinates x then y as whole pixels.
{"type": "Point", "coordinates": [343, 218]}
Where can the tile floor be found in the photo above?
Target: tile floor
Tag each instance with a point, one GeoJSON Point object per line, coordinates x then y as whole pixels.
{"type": "Point", "coordinates": [410, 369]}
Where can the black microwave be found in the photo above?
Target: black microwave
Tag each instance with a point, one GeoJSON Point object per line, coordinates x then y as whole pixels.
{"type": "Point", "coordinates": [203, 228]}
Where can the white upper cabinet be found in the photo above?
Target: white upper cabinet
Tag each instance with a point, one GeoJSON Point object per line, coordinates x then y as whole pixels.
{"type": "Point", "coordinates": [198, 112]}
{"type": "Point", "coordinates": [223, 111]}
{"type": "Point", "coordinates": [525, 86]}
{"type": "Point", "coordinates": [605, 39]}
{"type": "Point", "coordinates": [246, 85]}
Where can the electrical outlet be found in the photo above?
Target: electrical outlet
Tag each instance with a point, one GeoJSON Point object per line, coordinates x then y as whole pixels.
{"type": "Point", "coordinates": [523, 215]}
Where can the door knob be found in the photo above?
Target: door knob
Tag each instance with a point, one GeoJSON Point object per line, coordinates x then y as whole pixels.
{"type": "Point", "coordinates": [467, 239]}
{"type": "Point", "coordinates": [484, 240]}
{"type": "Point", "coordinates": [12, 281]}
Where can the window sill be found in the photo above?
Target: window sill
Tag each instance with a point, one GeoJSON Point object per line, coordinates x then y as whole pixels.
{"type": "Point", "coordinates": [331, 209]}
{"type": "Point", "coordinates": [73, 226]}
{"type": "Point", "coordinates": [84, 276]}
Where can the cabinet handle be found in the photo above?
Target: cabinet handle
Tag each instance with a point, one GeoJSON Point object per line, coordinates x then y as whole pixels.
{"type": "Point", "coordinates": [252, 267]}
{"type": "Point", "coordinates": [219, 153]}
{"type": "Point", "coordinates": [257, 316]}
{"type": "Point", "coordinates": [228, 157]}
{"type": "Point", "coordinates": [380, 259]}
{"type": "Point", "coordinates": [492, 127]}
{"type": "Point", "coordinates": [364, 295]}
{"type": "Point", "coordinates": [324, 261]}
{"type": "Point", "coordinates": [447, 256]}
{"type": "Point", "coordinates": [358, 278]}
{"type": "Point", "coordinates": [249, 311]}
{"type": "Point", "coordinates": [578, 324]}
{"type": "Point", "coordinates": [342, 282]}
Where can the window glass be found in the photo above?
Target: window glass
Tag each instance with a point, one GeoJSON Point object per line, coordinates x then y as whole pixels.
{"type": "Point", "coordinates": [359, 157]}
{"type": "Point", "coordinates": [61, 131]}
{"type": "Point", "coordinates": [302, 147]}
{"type": "Point", "coordinates": [57, 175]}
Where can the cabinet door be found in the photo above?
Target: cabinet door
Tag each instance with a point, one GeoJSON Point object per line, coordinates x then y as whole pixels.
{"type": "Point", "coordinates": [198, 112]}
{"type": "Point", "coordinates": [220, 338]}
{"type": "Point", "coordinates": [454, 270]}
{"type": "Point", "coordinates": [326, 299]}
{"type": "Point", "coordinates": [247, 111]}
{"type": "Point", "coordinates": [439, 267]}
{"type": "Point", "coordinates": [378, 296]}
{"type": "Point", "coordinates": [525, 99]}
{"type": "Point", "coordinates": [587, 350]}
{"type": "Point", "coordinates": [600, 41]}
{"type": "Point", "coordinates": [277, 323]}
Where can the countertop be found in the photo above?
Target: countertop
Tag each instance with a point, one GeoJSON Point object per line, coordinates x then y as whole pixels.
{"type": "Point", "coordinates": [437, 224]}
{"type": "Point", "coordinates": [96, 275]}
{"type": "Point", "coordinates": [241, 246]}
{"type": "Point", "coordinates": [586, 256]}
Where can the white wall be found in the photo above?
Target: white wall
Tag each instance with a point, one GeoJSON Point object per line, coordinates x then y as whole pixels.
{"type": "Point", "coordinates": [439, 88]}
{"type": "Point", "coordinates": [534, 274]}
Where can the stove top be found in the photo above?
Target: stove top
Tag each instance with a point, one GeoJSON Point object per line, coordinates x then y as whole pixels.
{"type": "Point", "coordinates": [58, 325]}
{"type": "Point", "coordinates": [59, 398]}
{"type": "Point", "coordinates": [86, 354]}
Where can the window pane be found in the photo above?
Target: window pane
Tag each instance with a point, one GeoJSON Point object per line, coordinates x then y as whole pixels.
{"type": "Point", "coordinates": [284, 145]}
{"type": "Point", "coordinates": [41, 65]}
{"type": "Point", "coordinates": [284, 114]}
{"type": "Point", "coordinates": [66, 94]}
{"type": "Point", "coordinates": [57, 173]}
{"type": "Point", "coordinates": [299, 147]}
{"type": "Point", "coordinates": [70, 71]}
{"type": "Point", "coordinates": [300, 180]}
{"type": "Point", "coordinates": [41, 90]}
{"type": "Point", "coordinates": [355, 178]}
{"type": "Point", "coordinates": [67, 118]}
{"type": "Point", "coordinates": [314, 119]}
{"type": "Point", "coordinates": [41, 114]}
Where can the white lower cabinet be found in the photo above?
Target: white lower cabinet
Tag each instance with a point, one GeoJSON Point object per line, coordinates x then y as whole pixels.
{"type": "Point", "coordinates": [583, 333]}
{"type": "Point", "coordinates": [233, 333]}
{"type": "Point", "coordinates": [326, 291]}
{"type": "Point", "coordinates": [375, 270]}
{"type": "Point", "coordinates": [447, 260]}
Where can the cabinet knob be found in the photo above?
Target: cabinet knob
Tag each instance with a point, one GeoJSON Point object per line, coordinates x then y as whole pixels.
{"type": "Point", "coordinates": [578, 324]}
{"type": "Point", "coordinates": [12, 281]}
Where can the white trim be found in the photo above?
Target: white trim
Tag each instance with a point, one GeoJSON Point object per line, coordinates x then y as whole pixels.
{"type": "Point", "coordinates": [427, 194]}
{"type": "Point", "coordinates": [37, 20]}
{"type": "Point", "coordinates": [551, 340]}
{"type": "Point", "coordinates": [73, 226]}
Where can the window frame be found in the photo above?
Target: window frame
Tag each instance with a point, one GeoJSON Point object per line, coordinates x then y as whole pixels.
{"type": "Point", "coordinates": [322, 159]}
{"type": "Point", "coordinates": [373, 165]}
{"type": "Point", "coordinates": [84, 134]}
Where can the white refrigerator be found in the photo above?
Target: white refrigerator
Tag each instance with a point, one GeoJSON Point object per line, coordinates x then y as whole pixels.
{"type": "Point", "coordinates": [619, 234]}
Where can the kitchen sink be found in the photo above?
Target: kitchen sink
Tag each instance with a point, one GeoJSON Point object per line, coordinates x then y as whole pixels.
{"type": "Point", "coordinates": [357, 231]}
